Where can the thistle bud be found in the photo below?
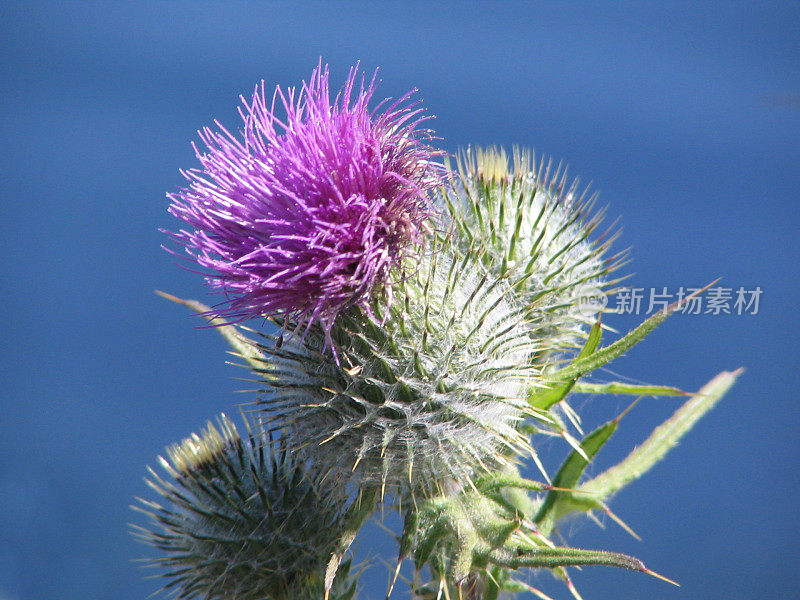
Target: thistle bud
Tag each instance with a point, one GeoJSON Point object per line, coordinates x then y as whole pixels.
{"type": "Point", "coordinates": [537, 232]}
{"type": "Point", "coordinates": [435, 393]}
{"type": "Point", "coordinates": [240, 519]}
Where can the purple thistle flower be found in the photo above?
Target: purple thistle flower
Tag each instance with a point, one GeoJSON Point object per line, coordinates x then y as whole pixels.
{"type": "Point", "coordinates": [303, 218]}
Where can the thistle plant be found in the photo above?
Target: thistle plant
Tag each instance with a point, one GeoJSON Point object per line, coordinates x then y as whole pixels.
{"type": "Point", "coordinates": [426, 329]}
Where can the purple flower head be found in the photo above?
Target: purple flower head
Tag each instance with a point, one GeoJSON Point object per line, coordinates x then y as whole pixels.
{"type": "Point", "coordinates": [302, 218]}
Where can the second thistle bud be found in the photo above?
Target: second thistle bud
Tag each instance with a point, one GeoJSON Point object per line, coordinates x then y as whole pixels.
{"type": "Point", "coordinates": [536, 229]}
{"type": "Point", "coordinates": [241, 519]}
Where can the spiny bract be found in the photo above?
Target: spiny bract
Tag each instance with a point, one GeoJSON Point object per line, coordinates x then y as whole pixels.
{"type": "Point", "coordinates": [242, 519]}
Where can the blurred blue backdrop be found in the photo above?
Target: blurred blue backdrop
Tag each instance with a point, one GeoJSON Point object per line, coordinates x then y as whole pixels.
{"type": "Point", "coordinates": [685, 116]}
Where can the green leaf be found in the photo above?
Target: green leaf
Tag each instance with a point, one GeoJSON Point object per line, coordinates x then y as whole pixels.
{"type": "Point", "coordinates": [410, 528]}
{"type": "Point", "coordinates": [664, 438]}
{"type": "Point", "coordinates": [493, 482]}
{"type": "Point", "coordinates": [551, 558]}
{"type": "Point", "coordinates": [492, 590]}
{"type": "Point", "coordinates": [549, 397]}
{"type": "Point", "coordinates": [546, 557]}
{"type": "Point", "coordinates": [355, 517]}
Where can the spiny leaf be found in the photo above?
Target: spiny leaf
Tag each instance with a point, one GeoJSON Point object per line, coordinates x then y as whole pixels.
{"type": "Point", "coordinates": [493, 482]}
{"type": "Point", "coordinates": [664, 438]}
{"type": "Point", "coordinates": [549, 397]}
{"type": "Point", "coordinates": [545, 557]}
{"type": "Point", "coordinates": [356, 516]}
{"type": "Point", "coordinates": [593, 341]}
{"type": "Point", "coordinates": [410, 526]}
{"type": "Point", "coordinates": [616, 387]}
{"type": "Point", "coordinates": [603, 356]}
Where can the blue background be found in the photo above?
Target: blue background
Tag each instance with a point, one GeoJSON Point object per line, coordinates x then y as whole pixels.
{"type": "Point", "coordinates": [686, 117]}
